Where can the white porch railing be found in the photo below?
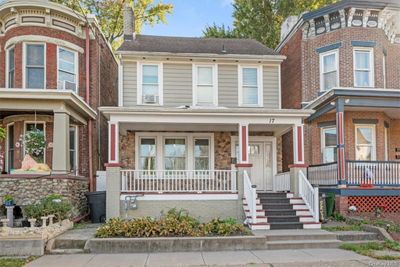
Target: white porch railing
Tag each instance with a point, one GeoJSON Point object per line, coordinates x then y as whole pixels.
{"type": "Point", "coordinates": [323, 174]}
{"type": "Point", "coordinates": [281, 182]}
{"type": "Point", "coordinates": [380, 173]}
{"type": "Point", "coordinates": [170, 181]}
{"type": "Point", "coordinates": [310, 195]}
{"type": "Point", "coordinates": [250, 195]}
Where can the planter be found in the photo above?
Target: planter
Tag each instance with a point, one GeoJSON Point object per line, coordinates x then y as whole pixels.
{"type": "Point", "coordinates": [9, 203]}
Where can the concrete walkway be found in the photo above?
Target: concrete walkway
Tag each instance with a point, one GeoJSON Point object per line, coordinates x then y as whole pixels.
{"type": "Point", "coordinates": [276, 258]}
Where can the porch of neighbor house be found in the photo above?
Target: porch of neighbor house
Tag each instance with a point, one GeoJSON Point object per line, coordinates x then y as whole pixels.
{"type": "Point", "coordinates": [211, 162]}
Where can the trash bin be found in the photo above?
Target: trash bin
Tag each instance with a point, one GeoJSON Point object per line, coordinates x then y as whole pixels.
{"type": "Point", "coordinates": [97, 206]}
{"type": "Point", "coordinates": [330, 204]}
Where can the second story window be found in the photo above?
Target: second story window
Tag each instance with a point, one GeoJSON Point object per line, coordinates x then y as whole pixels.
{"type": "Point", "coordinates": [205, 85]}
{"type": "Point", "coordinates": [250, 86]}
{"type": "Point", "coordinates": [150, 84]}
{"type": "Point", "coordinates": [67, 70]}
{"type": "Point", "coordinates": [363, 67]}
{"type": "Point", "coordinates": [35, 66]}
{"type": "Point", "coordinates": [10, 67]}
{"type": "Point", "coordinates": [329, 70]}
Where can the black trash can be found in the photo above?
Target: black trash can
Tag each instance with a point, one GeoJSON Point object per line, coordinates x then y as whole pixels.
{"type": "Point", "coordinates": [97, 206]}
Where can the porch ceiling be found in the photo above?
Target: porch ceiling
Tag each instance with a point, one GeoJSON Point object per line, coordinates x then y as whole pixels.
{"type": "Point", "coordinates": [17, 101]}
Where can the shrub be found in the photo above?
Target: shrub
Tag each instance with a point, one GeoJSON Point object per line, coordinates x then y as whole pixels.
{"type": "Point", "coordinates": [174, 223]}
{"type": "Point", "coordinates": [52, 204]}
{"type": "Point", "coordinates": [35, 143]}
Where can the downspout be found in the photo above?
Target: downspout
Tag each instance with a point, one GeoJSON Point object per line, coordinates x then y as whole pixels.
{"type": "Point", "coordinates": [90, 122]}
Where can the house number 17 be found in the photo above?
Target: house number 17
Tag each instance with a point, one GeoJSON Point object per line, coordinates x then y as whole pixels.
{"type": "Point", "coordinates": [271, 120]}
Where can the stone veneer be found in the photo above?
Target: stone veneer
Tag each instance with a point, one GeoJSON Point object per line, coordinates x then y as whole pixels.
{"type": "Point", "coordinates": [28, 189]}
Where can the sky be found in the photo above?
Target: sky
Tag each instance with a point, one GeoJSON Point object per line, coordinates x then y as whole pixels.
{"type": "Point", "coordinates": [190, 17]}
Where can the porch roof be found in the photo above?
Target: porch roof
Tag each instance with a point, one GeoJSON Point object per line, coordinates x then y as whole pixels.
{"type": "Point", "coordinates": [45, 100]}
{"type": "Point", "coordinates": [370, 99]}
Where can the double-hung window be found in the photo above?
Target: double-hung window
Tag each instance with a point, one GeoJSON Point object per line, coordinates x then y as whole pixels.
{"type": "Point", "coordinates": [10, 67]}
{"type": "Point", "coordinates": [329, 70]}
{"type": "Point", "coordinates": [365, 142]}
{"type": "Point", "coordinates": [147, 154]}
{"type": "Point", "coordinates": [328, 144]}
{"type": "Point", "coordinates": [201, 154]}
{"type": "Point", "coordinates": [67, 70]}
{"type": "Point", "coordinates": [250, 86]}
{"type": "Point", "coordinates": [35, 66]}
{"type": "Point", "coordinates": [150, 84]}
{"type": "Point", "coordinates": [363, 67]}
{"type": "Point", "coordinates": [205, 85]}
{"type": "Point", "coordinates": [175, 153]}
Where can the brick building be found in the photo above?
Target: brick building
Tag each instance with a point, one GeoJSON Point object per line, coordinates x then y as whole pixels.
{"type": "Point", "coordinates": [343, 62]}
{"type": "Point", "coordinates": [56, 69]}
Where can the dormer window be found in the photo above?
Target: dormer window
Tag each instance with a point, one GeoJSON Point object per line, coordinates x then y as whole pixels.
{"type": "Point", "coordinates": [150, 84]}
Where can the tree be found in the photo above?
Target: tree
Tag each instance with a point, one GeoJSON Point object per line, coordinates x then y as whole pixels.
{"type": "Point", "coordinates": [109, 14]}
{"type": "Point", "coordinates": [262, 19]}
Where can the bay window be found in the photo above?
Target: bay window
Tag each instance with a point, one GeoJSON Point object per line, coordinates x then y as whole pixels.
{"type": "Point", "coordinates": [250, 86]}
{"type": "Point", "coordinates": [205, 85]}
{"type": "Point", "coordinates": [365, 142]}
{"type": "Point", "coordinates": [147, 154]}
{"type": "Point", "coordinates": [150, 84]}
{"type": "Point", "coordinates": [35, 66]}
{"type": "Point", "coordinates": [328, 144]}
{"type": "Point", "coordinates": [363, 67]}
{"type": "Point", "coordinates": [10, 67]}
{"type": "Point", "coordinates": [329, 69]}
{"type": "Point", "coordinates": [67, 70]}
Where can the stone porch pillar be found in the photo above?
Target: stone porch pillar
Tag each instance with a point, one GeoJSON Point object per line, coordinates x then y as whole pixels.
{"type": "Point", "coordinates": [61, 164]}
{"type": "Point", "coordinates": [340, 143]}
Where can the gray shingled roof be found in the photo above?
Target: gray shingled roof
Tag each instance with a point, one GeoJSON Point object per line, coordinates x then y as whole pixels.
{"type": "Point", "coordinates": [149, 43]}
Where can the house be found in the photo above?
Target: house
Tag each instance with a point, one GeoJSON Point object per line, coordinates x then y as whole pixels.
{"type": "Point", "coordinates": [343, 62]}
{"type": "Point", "coordinates": [198, 126]}
{"type": "Point", "coordinates": [56, 69]}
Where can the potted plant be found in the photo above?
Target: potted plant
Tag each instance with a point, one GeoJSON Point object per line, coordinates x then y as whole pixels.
{"type": "Point", "coordinates": [35, 144]}
{"type": "Point", "coordinates": [8, 200]}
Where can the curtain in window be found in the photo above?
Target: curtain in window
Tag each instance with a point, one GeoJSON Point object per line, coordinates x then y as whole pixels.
{"type": "Point", "coordinates": [329, 150]}
{"type": "Point", "coordinates": [329, 71]}
{"type": "Point", "coordinates": [202, 154]}
{"type": "Point", "coordinates": [150, 80]}
{"type": "Point", "coordinates": [250, 86]}
{"type": "Point", "coordinates": [362, 68]}
{"type": "Point", "coordinates": [175, 154]}
{"type": "Point", "coordinates": [364, 146]}
{"type": "Point", "coordinates": [147, 154]}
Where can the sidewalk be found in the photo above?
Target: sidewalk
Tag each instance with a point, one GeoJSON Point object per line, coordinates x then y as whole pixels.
{"type": "Point", "coordinates": [279, 258]}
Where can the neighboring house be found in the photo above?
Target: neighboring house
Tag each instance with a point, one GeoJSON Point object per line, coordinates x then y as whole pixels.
{"type": "Point", "coordinates": [192, 111]}
{"type": "Point", "coordinates": [343, 62]}
{"type": "Point", "coordinates": [56, 69]}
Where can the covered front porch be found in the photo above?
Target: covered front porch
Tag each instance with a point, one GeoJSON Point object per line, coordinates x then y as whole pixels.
{"type": "Point", "coordinates": [356, 135]}
{"type": "Point", "coordinates": [198, 154]}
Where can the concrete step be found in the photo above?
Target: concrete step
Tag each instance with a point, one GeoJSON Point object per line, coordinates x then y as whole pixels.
{"type": "Point", "coordinates": [303, 244]}
{"type": "Point", "coordinates": [286, 225]}
{"type": "Point", "coordinates": [67, 251]}
{"type": "Point", "coordinates": [356, 236]}
{"type": "Point", "coordinates": [290, 235]}
{"type": "Point", "coordinates": [60, 243]}
{"type": "Point", "coordinates": [283, 218]}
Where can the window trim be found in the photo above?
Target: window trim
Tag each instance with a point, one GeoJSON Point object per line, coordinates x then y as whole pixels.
{"type": "Point", "coordinates": [8, 66]}
{"type": "Point", "coordinates": [321, 68]}
{"type": "Point", "coordinates": [386, 143]}
{"type": "Point", "coordinates": [139, 67]}
{"type": "Point", "coordinates": [45, 135]}
{"type": "Point", "coordinates": [323, 145]}
{"type": "Point", "coordinates": [214, 86]}
{"type": "Point", "coordinates": [76, 70]}
{"type": "Point", "coordinates": [189, 137]}
{"type": "Point", "coordinates": [372, 66]}
{"type": "Point", "coordinates": [24, 75]}
{"type": "Point", "coordinates": [373, 145]}
{"type": "Point", "coordinates": [76, 149]}
{"type": "Point", "coordinates": [259, 84]}
{"type": "Point", "coordinates": [7, 147]}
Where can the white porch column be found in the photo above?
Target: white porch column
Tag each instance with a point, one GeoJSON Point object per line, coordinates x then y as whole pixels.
{"type": "Point", "coordinates": [61, 143]}
{"type": "Point", "coordinates": [113, 142]}
{"type": "Point", "coordinates": [243, 144]}
{"type": "Point", "coordinates": [298, 144]}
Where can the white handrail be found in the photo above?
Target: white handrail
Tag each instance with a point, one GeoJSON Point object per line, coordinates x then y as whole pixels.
{"type": "Point", "coordinates": [178, 181]}
{"type": "Point", "coordinates": [310, 195]}
{"type": "Point", "coordinates": [281, 182]}
{"type": "Point", "coordinates": [250, 195]}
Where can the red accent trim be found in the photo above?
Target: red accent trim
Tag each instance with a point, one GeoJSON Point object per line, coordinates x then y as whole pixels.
{"type": "Point", "coordinates": [244, 165]}
{"type": "Point", "coordinates": [112, 142]}
{"type": "Point", "coordinates": [112, 165]}
{"type": "Point", "coordinates": [244, 143]}
{"type": "Point", "coordinates": [299, 143]}
{"type": "Point", "coordinates": [298, 166]}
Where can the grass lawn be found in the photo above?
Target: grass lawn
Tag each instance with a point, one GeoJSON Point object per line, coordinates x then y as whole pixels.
{"type": "Point", "coordinates": [381, 251]}
{"type": "Point", "coordinates": [15, 262]}
{"type": "Point", "coordinates": [351, 227]}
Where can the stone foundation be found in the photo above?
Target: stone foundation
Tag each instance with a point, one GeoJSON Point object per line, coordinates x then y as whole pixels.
{"type": "Point", "coordinates": [28, 189]}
